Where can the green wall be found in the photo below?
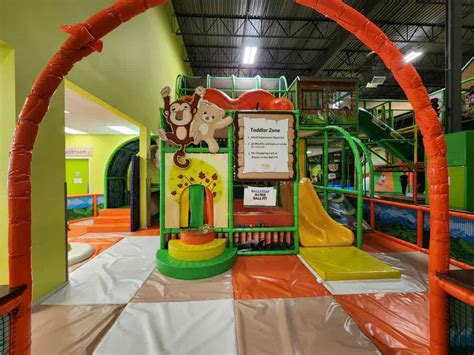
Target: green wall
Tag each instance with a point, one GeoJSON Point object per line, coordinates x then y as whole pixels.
{"type": "Point", "coordinates": [102, 147]}
{"type": "Point", "coordinates": [7, 124]}
{"type": "Point", "coordinates": [137, 60]}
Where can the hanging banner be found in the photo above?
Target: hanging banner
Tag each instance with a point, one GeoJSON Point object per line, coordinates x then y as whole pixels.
{"type": "Point", "coordinates": [259, 196]}
{"type": "Point", "coordinates": [265, 146]}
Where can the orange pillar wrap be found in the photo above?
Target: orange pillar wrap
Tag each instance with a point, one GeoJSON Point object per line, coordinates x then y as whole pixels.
{"type": "Point", "coordinates": [84, 38]}
{"type": "Point", "coordinates": [433, 140]}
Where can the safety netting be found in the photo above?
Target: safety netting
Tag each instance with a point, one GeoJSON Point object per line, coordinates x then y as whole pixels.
{"type": "Point", "coordinates": [461, 327]}
{"type": "Point", "coordinates": [7, 332]}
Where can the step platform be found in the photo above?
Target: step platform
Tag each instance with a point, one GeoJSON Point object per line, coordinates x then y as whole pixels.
{"type": "Point", "coordinates": [197, 237]}
{"type": "Point", "coordinates": [200, 252]}
{"type": "Point", "coordinates": [347, 263]}
{"type": "Point", "coordinates": [194, 270]}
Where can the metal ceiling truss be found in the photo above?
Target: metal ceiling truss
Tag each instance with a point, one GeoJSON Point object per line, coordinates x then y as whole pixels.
{"type": "Point", "coordinates": [218, 25]}
{"type": "Point", "coordinates": [313, 45]}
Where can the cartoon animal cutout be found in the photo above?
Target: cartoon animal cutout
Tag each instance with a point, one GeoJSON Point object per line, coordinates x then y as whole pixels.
{"type": "Point", "coordinates": [209, 119]}
{"type": "Point", "coordinates": [180, 115]}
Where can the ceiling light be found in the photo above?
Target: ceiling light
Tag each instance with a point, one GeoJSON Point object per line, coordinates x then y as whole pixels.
{"type": "Point", "coordinates": [249, 55]}
{"type": "Point", "coordinates": [123, 129]}
{"type": "Point", "coordinates": [72, 131]}
{"type": "Point", "coordinates": [412, 56]}
{"type": "Point", "coordinates": [376, 81]}
{"type": "Point", "coordinates": [66, 112]}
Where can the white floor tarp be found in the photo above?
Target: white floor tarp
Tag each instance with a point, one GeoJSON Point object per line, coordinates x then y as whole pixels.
{"type": "Point", "coordinates": [112, 277]}
{"type": "Point", "coordinates": [199, 327]}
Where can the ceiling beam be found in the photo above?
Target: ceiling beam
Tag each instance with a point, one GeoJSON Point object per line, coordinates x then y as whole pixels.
{"type": "Point", "coordinates": [343, 37]}
{"type": "Point", "coordinates": [302, 19]}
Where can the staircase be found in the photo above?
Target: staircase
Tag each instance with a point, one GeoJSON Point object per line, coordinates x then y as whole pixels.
{"type": "Point", "coordinates": [385, 136]}
{"type": "Point", "coordinates": [111, 220]}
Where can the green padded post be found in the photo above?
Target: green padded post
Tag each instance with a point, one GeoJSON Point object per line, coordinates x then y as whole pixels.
{"type": "Point", "coordinates": [196, 205]}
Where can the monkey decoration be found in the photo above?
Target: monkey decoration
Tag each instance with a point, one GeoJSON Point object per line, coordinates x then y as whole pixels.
{"type": "Point", "coordinates": [179, 115]}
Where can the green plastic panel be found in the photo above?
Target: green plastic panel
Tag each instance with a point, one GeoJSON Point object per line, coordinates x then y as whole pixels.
{"type": "Point", "coordinates": [194, 270]}
{"type": "Point", "coordinates": [196, 205]}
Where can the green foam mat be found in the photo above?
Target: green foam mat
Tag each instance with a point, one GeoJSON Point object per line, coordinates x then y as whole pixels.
{"type": "Point", "coordinates": [194, 270]}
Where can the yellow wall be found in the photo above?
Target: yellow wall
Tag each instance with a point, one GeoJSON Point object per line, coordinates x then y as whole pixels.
{"type": "Point", "coordinates": [102, 147]}
{"type": "Point", "coordinates": [138, 59]}
{"type": "Point", "coordinates": [7, 124]}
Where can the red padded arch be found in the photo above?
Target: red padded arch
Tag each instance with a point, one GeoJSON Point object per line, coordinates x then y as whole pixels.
{"type": "Point", "coordinates": [85, 38]}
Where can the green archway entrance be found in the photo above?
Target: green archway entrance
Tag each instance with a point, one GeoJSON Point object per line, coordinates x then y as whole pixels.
{"type": "Point", "coordinates": [117, 173]}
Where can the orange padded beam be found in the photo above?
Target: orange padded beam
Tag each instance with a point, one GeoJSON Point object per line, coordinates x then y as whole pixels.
{"type": "Point", "coordinates": [85, 38]}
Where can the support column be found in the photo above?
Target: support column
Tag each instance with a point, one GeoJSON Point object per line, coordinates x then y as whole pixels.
{"type": "Point", "coordinates": [453, 65]}
{"type": "Point", "coordinates": [144, 155]}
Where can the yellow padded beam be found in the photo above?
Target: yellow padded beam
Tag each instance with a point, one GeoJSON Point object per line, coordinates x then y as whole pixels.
{"type": "Point", "coordinates": [347, 263]}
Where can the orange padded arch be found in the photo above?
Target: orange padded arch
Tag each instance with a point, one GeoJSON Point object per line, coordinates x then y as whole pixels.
{"type": "Point", "coordinates": [85, 38]}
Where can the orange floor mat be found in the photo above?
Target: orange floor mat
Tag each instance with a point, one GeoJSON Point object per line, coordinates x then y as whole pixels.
{"type": "Point", "coordinates": [76, 231]}
{"type": "Point", "coordinates": [99, 244]}
{"type": "Point", "coordinates": [150, 232]}
{"type": "Point", "coordinates": [373, 243]}
{"type": "Point", "coordinates": [258, 277]}
{"type": "Point", "coordinates": [397, 323]}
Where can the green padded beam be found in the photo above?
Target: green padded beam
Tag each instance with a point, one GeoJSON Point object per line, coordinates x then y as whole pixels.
{"type": "Point", "coordinates": [196, 205]}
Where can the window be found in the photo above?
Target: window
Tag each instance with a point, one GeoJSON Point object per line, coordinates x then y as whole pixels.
{"type": "Point", "coordinates": [341, 100]}
{"type": "Point", "coordinates": [313, 100]}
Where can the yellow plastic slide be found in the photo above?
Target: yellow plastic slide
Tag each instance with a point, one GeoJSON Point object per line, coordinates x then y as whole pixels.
{"type": "Point", "coordinates": [317, 228]}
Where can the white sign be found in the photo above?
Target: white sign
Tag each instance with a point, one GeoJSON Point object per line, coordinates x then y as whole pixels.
{"type": "Point", "coordinates": [265, 145]}
{"type": "Point", "coordinates": [259, 196]}
{"type": "Point", "coordinates": [78, 180]}
{"type": "Point", "coordinates": [78, 152]}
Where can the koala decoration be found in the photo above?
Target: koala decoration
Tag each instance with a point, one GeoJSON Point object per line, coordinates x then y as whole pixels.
{"type": "Point", "coordinates": [180, 115]}
{"type": "Point", "coordinates": [208, 120]}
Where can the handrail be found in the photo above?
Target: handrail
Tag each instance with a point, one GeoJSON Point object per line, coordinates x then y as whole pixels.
{"type": "Point", "coordinates": [358, 165]}
{"type": "Point", "coordinates": [368, 156]}
{"type": "Point", "coordinates": [94, 205]}
{"type": "Point", "coordinates": [457, 291]}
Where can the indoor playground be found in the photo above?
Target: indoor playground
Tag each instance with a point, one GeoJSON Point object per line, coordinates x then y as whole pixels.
{"type": "Point", "coordinates": [237, 177]}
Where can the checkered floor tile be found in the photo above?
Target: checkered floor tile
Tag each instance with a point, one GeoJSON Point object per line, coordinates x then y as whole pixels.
{"type": "Point", "coordinates": [117, 303]}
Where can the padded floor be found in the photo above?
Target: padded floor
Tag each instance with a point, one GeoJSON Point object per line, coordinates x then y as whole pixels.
{"type": "Point", "coordinates": [264, 305]}
{"type": "Point", "coordinates": [206, 327]}
{"type": "Point", "coordinates": [161, 288]}
{"type": "Point", "coordinates": [281, 276]}
{"type": "Point", "coordinates": [298, 326]}
{"type": "Point", "coordinates": [396, 322]}
{"type": "Point", "coordinates": [347, 263]}
{"type": "Point", "coordinates": [112, 277]}
{"type": "Point", "coordinates": [75, 330]}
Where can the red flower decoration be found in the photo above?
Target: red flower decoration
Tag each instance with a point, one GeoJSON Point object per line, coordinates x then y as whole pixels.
{"type": "Point", "coordinates": [207, 180]}
{"type": "Point", "coordinates": [173, 193]}
{"type": "Point", "coordinates": [180, 185]}
{"type": "Point", "coordinates": [191, 178]}
{"type": "Point", "coordinates": [180, 176]}
{"type": "Point", "coordinates": [214, 177]}
{"type": "Point", "coordinates": [202, 175]}
{"type": "Point", "coordinates": [186, 184]}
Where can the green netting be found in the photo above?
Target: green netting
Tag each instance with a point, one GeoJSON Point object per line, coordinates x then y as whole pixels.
{"type": "Point", "coordinates": [4, 334]}
{"type": "Point", "coordinates": [461, 328]}
{"type": "Point", "coordinates": [462, 238]}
